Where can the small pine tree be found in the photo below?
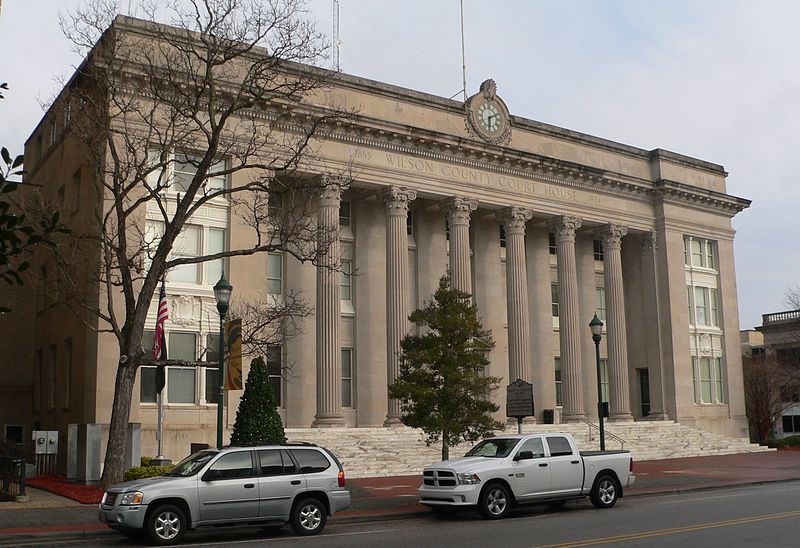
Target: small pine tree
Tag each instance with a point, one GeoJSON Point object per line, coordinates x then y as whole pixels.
{"type": "Point", "coordinates": [442, 384]}
{"type": "Point", "coordinates": [257, 419]}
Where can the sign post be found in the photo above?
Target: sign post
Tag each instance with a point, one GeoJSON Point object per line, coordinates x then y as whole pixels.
{"type": "Point", "coordinates": [519, 401]}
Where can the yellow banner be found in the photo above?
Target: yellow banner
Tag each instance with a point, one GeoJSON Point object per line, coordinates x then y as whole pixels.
{"type": "Point", "coordinates": [233, 343]}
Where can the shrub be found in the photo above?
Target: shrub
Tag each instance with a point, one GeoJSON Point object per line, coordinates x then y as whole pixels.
{"type": "Point", "coordinates": [139, 472]}
{"type": "Point", "coordinates": [791, 441]}
{"type": "Point", "coordinates": [257, 419]}
{"type": "Point", "coordinates": [145, 461]}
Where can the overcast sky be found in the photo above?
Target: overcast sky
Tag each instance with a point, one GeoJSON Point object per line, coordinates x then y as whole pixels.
{"type": "Point", "coordinates": [716, 80]}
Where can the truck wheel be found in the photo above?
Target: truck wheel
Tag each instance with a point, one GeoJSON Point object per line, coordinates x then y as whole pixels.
{"type": "Point", "coordinates": [494, 502]}
{"type": "Point", "coordinates": [604, 492]}
{"type": "Point", "coordinates": [308, 517]}
{"type": "Point", "coordinates": [166, 525]}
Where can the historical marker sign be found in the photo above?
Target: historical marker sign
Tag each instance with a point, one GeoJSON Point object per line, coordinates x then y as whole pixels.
{"type": "Point", "coordinates": [519, 399]}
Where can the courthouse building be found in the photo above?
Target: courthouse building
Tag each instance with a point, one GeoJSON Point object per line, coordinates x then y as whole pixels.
{"type": "Point", "coordinates": [544, 226]}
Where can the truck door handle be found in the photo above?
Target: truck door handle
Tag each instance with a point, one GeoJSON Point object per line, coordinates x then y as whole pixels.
{"type": "Point", "coordinates": [249, 485]}
{"type": "Point", "coordinates": [575, 462]}
{"type": "Point", "coordinates": [542, 464]}
{"type": "Point", "coordinates": [295, 482]}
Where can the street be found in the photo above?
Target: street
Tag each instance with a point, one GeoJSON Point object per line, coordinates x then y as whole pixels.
{"type": "Point", "coordinates": [755, 515]}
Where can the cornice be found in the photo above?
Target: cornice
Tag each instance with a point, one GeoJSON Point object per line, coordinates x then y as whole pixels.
{"type": "Point", "coordinates": [675, 192]}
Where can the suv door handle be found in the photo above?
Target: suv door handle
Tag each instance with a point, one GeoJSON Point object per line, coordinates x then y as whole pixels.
{"type": "Point", "coordinates": [249, 485]}
{"type": "Point", "coordinates": [295, 482]}
{"type": "Point", "coordinates": [542, 464]}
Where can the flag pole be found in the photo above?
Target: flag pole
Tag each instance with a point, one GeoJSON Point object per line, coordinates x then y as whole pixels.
{"type": "Point", "coordinates": [160, 431]}
{"type": "Point", "coordinates": [160, 354]}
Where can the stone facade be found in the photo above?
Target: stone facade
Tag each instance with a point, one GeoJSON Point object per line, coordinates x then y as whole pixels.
{"type": "Point", "coordinates": [544, 226]}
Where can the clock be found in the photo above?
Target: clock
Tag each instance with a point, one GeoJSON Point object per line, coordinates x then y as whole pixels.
{"type": "Point", "coordinates": [487, 115]}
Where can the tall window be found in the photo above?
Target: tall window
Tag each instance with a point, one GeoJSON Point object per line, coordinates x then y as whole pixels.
{"type": "Point", "coordinates": [706, 307]}
{"type": "Point", "coordinates": [699, 252]}
{"type": "Point", "coordinates": [274, 371]}
{"type": "Point", "coordinates": [705, 380]}
{"type": "Point", "coordinates": [600, 302]}
{"type": "Point", "coordinates": [557, 364]}
{"type": "Point", "coordinates": [597, 250]}
{"type": "Point", "coordinates": [604, 378]}
{"type": "Point", "coordinates": [701, 305]}
{"type": "Point", "coordinates": [554, 299]}
{"type": "Point", "coordinates": [690, 302]}
{"type": "Point", "coordinates": [694, 379]}
{"type": "Point", "coordinates": [502, 236]}
{"type": "Point", "coordinates": [344, 213]}
{"type": "Point", "coordinates": [193, 241]}
{"type": "Point", "coordinates": [67, 372]}
{"type": "Point", "coordinates": [551, 243]}
{"type": "Point", "coordinates": [708, 380]}
{"type": "Point", "coordinates": [185, 168]}
{"type": "Point", "coordinates": [275, 205]}
{"type": "Point", "coordinates": [720, 392]}
{"type": "Point", "coordinates": [410, 223]}
{"type": "Point", "coordinates": [187, 244]}
{"type": "Point", "coordinates": [182, 381]}
{"type": "Point", "coordinates": [275, 273]}
{"type": "Point", "coordinates": [212, 373]}
{"type": "Point", "coordinates": [345, 290]}
{"type": "Point", "coordinates": [714, 309]}
{"type": "Point", "coordinates": [216, 244]}
{"type": "Point", "coordinates": [347, 377]}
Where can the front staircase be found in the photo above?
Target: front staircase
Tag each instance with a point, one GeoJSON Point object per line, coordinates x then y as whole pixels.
{"type": "Point", "coordinates": [371, 452]}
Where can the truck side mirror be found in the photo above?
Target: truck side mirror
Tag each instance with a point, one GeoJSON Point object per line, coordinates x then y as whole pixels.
{"type": "Point", "coordinates": [524, 455]}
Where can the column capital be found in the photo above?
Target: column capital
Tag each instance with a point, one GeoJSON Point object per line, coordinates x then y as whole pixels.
{"type": "Point", "coordinates": [612, 235]}
{"type": "Point", "coordinates": [458, 209]}
{"type": "Point", "coordinates": [565, 227]}
{"type": "Point", "coordinates": [331, 188]}
{"type": "Point", "coordinates": [648, 242]}
{"type": "Point", "coordinates": [514, 219]}
{"type": "Point", "coordinates": [396, 199]}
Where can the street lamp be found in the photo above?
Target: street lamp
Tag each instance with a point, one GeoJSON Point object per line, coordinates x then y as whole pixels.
{"type": "Point", "coordinates": [597, 333]}
{"type": "Point", "coordinates": [222, 294]}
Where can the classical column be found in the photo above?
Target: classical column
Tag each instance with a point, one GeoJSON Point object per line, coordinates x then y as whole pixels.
{"type": "Point", "coordinates": [396, 201]}
{"type": "Point", "coordinates": [519, 330]}
{"type": "Point", "coordinates": [569, 320]}
{"type": "Point", "coordinates": [652, 327]}
{"type": "Point", "coordinates": [458, 211]}
{"type": "Point", "coordinates": [329, 359]}
{"type": "Point", "coordinates": [617, 341]}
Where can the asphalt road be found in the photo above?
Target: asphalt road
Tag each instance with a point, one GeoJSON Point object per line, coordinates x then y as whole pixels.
{"type": "Point", "coordinates": [756, 515]}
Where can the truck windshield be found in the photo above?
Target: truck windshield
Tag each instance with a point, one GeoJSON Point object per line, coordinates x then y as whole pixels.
{"type": "Point", "coordinates": [191, 464]}
{"type": "Point", "coordinates": [495, 447]}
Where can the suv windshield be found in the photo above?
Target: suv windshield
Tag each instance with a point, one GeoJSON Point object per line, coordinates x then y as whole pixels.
{"type": "Point", "coordinates": [191, 464]}
{"type": "Point", "coordinates": [495, 447]}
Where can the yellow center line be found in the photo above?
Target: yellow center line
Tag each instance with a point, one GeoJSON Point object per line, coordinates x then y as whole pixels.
{"type": "Point", "coordinates": [672, 531]}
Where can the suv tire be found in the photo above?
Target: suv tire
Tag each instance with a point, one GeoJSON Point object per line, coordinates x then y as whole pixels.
{"type": "Point", "coordinates": [166, 525]}
{"type": "Point", "coordinates": [308, 517]}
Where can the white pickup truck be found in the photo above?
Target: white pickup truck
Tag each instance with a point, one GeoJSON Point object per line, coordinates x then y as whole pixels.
{"type": "Point", "coordinates": [544, 468]}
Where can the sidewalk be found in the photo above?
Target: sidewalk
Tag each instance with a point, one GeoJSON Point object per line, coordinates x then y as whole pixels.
{"type": "Point", "coordinates": [395, 497]}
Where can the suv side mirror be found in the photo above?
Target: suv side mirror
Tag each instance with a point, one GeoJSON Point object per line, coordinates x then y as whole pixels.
{"type": "Point", "coordinates": [524, 455]}
{"type": "Point", "coordinates": [212, 475]}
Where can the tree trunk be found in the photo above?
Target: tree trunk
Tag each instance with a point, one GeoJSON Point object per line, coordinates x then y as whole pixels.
{"type": "Point", "coordinates": [114, 464]}
{"type": "Point", "coordinates": [445, 450]}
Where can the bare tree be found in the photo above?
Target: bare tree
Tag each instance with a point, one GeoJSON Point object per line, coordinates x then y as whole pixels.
{"type": "Point", "coordinates": [793, 297]}
{"type": "Point", "coordinates": [769, 386]}
{"type": "Point", "coordinates": [221, 106]}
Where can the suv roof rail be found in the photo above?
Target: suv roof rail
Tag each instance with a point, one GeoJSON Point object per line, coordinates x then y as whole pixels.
{"type": "Point", "coordinates": [305, 443]}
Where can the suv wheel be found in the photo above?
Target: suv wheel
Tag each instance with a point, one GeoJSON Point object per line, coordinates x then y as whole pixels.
{"type": "Point", "coordinates": [166, 525]}
{"type": "Point", "coordinates": [308, 517]}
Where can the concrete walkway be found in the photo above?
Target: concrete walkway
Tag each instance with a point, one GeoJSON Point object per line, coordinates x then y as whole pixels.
{"type": "Point", "coordinates": [395, 497]}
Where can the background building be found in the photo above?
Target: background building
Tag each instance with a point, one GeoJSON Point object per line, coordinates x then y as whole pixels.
{"type": "Point", "coordinates": [542, 225]}
{"type": "Point", "coordinates": [781, 342]}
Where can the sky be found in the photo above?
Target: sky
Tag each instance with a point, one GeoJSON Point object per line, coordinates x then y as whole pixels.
{"type": "Point", "coordinates": [715, 80]}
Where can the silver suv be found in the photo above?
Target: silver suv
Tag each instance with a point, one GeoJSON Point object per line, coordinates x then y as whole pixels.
{"type": "Point", "coordinates": [301, 484]}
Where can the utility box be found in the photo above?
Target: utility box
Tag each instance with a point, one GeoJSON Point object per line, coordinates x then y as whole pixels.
{"type": "Point", "coordinates": [45, 442]}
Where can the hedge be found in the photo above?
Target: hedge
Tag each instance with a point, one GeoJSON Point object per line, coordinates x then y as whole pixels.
{"type": "Point", "coordinates": [139, 472]}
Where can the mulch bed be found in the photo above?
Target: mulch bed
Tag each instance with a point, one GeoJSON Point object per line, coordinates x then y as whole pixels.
{"type": "Point", "coordinates": [85, 494]}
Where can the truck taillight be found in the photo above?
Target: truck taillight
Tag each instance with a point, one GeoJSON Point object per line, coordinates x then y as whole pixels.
{"type": "Point", "coordinates": [341, 478]}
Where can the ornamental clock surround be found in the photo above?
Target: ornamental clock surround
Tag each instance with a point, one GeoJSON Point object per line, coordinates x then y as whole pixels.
{"type": "Point", "coordinates": [487, 115]}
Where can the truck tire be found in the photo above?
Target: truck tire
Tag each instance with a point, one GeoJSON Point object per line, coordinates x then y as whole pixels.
{"type": "Point", "coordinates": [165, 525]}
{"type": "Point", "coordinates": [605, 491]}
{"type": "Point", "coordinates": [494, 501]}
{"type": "Point", "coordinates": [308, 517]}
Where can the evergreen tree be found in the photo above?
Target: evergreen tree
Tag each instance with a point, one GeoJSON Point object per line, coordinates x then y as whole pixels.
{"type": "Point", "coordinates": [442, 385]}
{"type": "Point", "coordinates": [257, 419]}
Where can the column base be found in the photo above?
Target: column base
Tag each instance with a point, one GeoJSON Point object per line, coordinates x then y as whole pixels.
{"type": "Point", "coordinates": [620, 417]}
{"type": "Point", "coordinates": [393, 421]}
{"type": "Point", "coordinates": [572, 417]}
{"type": "Point", "coordinates": [657, 416]}
{"type": "Point", "coordinates": [328, 420]}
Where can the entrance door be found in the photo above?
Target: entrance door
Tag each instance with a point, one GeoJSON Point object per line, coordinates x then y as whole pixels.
{"type": "Point", "coordinates": [644, 390]}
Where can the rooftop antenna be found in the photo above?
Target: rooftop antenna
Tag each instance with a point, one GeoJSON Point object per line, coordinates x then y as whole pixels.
{"type": "Point", "coordinates": [337, 42]}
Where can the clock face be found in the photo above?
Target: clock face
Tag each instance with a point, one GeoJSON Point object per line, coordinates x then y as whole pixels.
{"type": "Point", "coordinates": [489, 116]}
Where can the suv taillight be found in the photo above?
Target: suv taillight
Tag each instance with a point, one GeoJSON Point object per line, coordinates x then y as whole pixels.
{"type": "Point", "coordinates": [341, 478]}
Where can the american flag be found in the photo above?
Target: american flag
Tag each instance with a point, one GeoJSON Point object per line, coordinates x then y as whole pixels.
{"type": "Point", "coordinates": [160, 340]}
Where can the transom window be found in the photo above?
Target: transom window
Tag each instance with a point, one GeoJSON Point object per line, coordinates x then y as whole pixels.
{"type": "Point", "coordinates": [600, 303]}
{"type": "Point", "coordinates": [347, 377]}
{"type": "Point", "coordinates": [502, 236]}
{"type": "Point", "coordinates": [554, 299]}
{"type": "Point", "coordinates": [597, 250]}
{"type": "Point", "coordinates": [275, 273]}
{"type": "Point", "coordinates": [345, 290]}
{"type": "Point", "coordinates": [551, 243]}
{"type": "Point", "coordinates": [344, 213]}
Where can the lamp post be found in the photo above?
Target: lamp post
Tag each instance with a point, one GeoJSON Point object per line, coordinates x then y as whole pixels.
{"type": "Point", "coordinates": [222, 294]}
{"type": "Point", "coordinates": [597, 334]}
